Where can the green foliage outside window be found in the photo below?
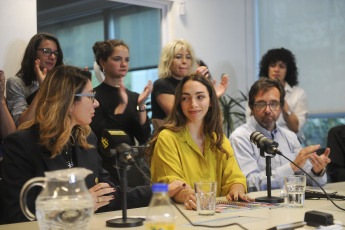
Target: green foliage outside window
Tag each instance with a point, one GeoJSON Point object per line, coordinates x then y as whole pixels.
{"type": "Point", "coordinates": [316, 130]}
{"type": "Point", "coordinates": [234, 113]}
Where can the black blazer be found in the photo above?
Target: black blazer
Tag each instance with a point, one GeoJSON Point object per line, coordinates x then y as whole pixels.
{"type": "Point", "coordinates": [25, 159]}
{"type": "Point", "coordinates": [336, 142]}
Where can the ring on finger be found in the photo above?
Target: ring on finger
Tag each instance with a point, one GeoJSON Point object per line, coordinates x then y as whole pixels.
{"type": "Point", "coordinates": [189, 202]}
{"type": "Point", "coordinates": [99, 199]}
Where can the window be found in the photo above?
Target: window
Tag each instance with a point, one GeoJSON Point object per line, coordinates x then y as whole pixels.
{"type": "Point", "coordinates": [317, 127]}
{"type": "Point", "coordinates": [313, 31]}
{"type": "Point", "coordinates": [79, 24]}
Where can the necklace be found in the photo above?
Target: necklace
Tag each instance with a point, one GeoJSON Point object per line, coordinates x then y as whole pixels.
{"type": "Point", "coordinates": [67, 154]}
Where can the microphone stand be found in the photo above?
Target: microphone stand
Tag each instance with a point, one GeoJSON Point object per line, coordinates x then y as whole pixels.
{"type": "Point", "coordinates": [124, 221]}
{"type": "Point", "coordinates": [268, 198]}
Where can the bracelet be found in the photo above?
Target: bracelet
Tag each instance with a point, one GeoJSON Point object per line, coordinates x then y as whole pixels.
{"type": "Point", "coordinates": [141, 110]}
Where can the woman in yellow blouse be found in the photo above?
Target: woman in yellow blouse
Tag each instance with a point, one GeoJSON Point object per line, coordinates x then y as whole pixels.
{"type": "Point", "coordinates": [191, 146]}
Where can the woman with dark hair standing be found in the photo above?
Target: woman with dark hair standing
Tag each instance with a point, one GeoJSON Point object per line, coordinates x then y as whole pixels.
{"type": "Point", "coordinates": [41, 55]}
{"type": "Point", "coordinates": [119, 107]}
{"type": "Point", "coordinates": [280, 64]}
{"type": "Point", "coordinates": [191, 146]}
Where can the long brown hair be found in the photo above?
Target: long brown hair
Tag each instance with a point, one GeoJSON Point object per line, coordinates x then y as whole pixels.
{"type": "Point", "coordinates": [30, 55]}
{"type": "Point", "coordinates": [55, 99]}
{"type": "Point", "coordinates": [176, 121]}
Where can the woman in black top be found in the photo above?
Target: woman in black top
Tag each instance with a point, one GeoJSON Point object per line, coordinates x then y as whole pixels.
{"type": "Point", "coordinates": [177, 61]}
{"type": "Point", "coordinates": [119, 107]}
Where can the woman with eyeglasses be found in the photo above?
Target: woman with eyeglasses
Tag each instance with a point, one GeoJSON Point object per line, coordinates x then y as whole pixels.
{"type": "Point", "coordinates": [42, 54]}
{"type": "Point", "coordinates": [59, 137]}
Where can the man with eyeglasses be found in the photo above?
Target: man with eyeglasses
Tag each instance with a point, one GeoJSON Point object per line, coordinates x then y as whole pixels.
{"type": "Point", "coordinates": [266, 99]}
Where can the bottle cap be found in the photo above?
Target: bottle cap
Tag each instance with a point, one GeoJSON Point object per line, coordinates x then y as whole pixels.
{"type": "Point", "coordinates": [160, 187]}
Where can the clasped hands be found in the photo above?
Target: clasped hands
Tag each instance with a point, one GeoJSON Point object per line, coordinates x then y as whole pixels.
{"type": "Point", "coordinates": [318, 162]}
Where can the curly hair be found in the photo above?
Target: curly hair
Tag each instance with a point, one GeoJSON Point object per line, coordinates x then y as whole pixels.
{"type": "Point", "coordinates": [177, 121]}
{"type": "Point", "coordinates": [284, 55]}
{"type": "Point", "coordinates": [104, 49]}
{"type": "Point", "coordinates": [168, 53]}
{"type": "Point", "coordinates": [30, 55]}
{"type": "Point", "coordinates": [55, 99]}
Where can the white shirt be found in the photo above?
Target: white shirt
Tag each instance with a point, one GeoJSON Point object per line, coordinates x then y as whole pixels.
{"type": "Point", "coordinates": [253, 165]}
{"type": "Point", "coordinates": [297, 101]}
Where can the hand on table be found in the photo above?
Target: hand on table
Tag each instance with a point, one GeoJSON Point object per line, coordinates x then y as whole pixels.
{"type": "Point", "coordinates": [236, 192]}
{"type": "Point", "coordinates": [98, 191]}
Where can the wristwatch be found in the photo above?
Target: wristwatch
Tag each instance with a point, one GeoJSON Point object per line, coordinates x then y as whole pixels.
{"type": "Point", "coordinates": [141, 110]}
{"type": "Point", "coordinates": [288, 113]}
{"type": "Point", "coordinates": [321, 173]}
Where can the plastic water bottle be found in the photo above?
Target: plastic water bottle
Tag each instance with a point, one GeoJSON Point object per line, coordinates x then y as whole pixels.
{"type": "Point", "coordinates": [160, 213]}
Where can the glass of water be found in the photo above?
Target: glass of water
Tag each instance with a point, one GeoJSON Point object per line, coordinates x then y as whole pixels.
{"type": "Point", "coordinates": [205, 193]}
{"type": "Point", "coordinates": [295, 187]}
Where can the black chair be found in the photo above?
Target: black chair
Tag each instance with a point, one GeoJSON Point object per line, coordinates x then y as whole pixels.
{"type": "Point", "coordinates": [336, 142]}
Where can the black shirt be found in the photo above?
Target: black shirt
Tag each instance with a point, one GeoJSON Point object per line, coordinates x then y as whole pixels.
{"type": "Point", "coordinates": [108, 98]}
{"type": "Point", "coordinates": [162, 86]}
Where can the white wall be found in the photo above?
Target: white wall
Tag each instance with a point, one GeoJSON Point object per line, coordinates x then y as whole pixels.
{"type": "Point", "coordinates": [18, 24]}
{"type": "Point", "coordinates": [219, 31]}
{"type": "Point", "coordinates": [222, 34]}
{"type": "Point", "coordinates": [314, 30]}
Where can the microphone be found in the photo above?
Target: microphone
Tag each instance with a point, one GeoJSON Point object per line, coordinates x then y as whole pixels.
{"type": "Point", "coordinates": [116, 143]}
{"type": "Point", "coordinates": [265, 143]}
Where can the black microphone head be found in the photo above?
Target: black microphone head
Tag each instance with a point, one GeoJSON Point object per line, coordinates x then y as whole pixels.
{"type": "Point", "coordinates": [112, 138]}
{"type": "Point", "coordinates": [263, 142]}
{"type": "Point", "coordinates": [256, 138]}
{"type": "Point", "coordinates": [124, 153]}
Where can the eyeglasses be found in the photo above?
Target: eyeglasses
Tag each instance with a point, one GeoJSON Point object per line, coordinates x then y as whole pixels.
{"type": "Point", "coordinates": [262, 106]}
{"type": "Point", "coordinates": [48, 52]}
{"type": "Point", "coordinates": [91, 96]}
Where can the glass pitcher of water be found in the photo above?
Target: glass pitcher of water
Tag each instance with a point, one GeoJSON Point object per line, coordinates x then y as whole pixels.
{"type": "Point", "coordinates": [64, 202]}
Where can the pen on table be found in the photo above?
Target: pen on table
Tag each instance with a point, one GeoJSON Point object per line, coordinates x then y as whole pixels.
{"type": "Point", "coordinates": [293, 225]}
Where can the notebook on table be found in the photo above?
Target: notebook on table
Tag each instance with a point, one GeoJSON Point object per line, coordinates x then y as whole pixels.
{"type": "Point", "coordinates": [224, 206]}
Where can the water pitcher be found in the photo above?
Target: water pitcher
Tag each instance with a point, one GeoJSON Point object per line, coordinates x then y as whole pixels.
{"type": "Point", "coordinates": [64, 202]}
